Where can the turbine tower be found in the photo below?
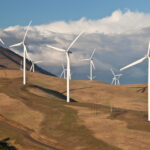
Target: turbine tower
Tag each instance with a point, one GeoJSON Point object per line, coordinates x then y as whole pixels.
{"type": "Point", "coordinates": [24, 53]}
{"type": "Point", "coordinates": [116, 77]}
{"type": "Point", "coordinates": [32, 68]}
{"type": "Point", "coordinates": [67, 52]}
{"type": "Point", "coordinates": [147, 56]}
{"type": "Point", "coordinates": [91, 64]}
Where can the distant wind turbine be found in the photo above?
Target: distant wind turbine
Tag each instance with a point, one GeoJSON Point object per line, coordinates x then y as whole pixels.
{"type": "Point", "coordinates": [147, 56]}
{"type": "Point", "coordinates": [91, 64]}
{"type": "Point", "coordinates": [24, 54]}
{"type": "Point", "coordinates": [32, 68]}
{"type": "Point", "coordinates": [116, 77]}
{"type": "Point", "coordinates": [63, 72]}
{"type": "Point", "coordinates": [67, 52]}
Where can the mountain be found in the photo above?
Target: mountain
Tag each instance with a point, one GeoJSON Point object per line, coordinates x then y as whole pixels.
{"type": "Point", "coordinates": [11, 60]}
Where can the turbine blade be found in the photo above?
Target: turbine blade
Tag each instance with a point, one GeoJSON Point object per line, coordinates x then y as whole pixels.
{"type": "Point", "coordinates": [58, 49]}
{"type": "Point", "coordinates": [118, 75]}
{"type": "Point", "coordinates": [74, 40]}
{"type": "Point", "coordinates": [26, 52]}
{"type": "Point", "coordinates": [36, 62]}
{"type": "Point", "coordinates": [112, 72]}
{"type": "Point", "coordinates": [118, 82]}
{"type": "Point", "coordinates": [94, 77]}
{"type": "Point", "coordinates": [27, 30]}
{"type": "Point", "coordinates": [134, 63]}
{"type": "Point", "coordinates": [148, 51]}
{"type": "Point", "coordinates": [18, 44]}
{"type": "Point", "coordinates": [31, 67]}
{"type": "Point", "coordinates": [2, 41]}
{"type": "Point", "coordinates": [93, 64]}
{"type": "Point", "coordinates": [92, 53]}
{"type": "Point", "coordinates": [84, 59]}
{"type": "Point", "coordinates": [61, 74]}
{"type": "Point", "coordinates": [112, 80]}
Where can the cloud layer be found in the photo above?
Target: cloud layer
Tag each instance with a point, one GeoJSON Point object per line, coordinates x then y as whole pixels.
{"type": "Point", "coordinates": [119, 39]}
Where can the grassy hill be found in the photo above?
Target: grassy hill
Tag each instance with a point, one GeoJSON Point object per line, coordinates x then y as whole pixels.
{"type": "Point", "coordinates": [100, 116]}
{"type": "Point", "coordinates": [11, 60]}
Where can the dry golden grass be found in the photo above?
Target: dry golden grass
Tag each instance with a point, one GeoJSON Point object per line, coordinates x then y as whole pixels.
{"type": "Point", "coordinates": [113, 132]}
{"type": "Point", "coordinates": [133, 97]}
{"type": "Point", "coordinates": [16, 110]}
{"type": "Point", "coordinates": [40, 106]}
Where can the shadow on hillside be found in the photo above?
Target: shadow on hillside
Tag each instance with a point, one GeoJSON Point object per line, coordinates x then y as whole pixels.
{"type": "Point", "coordinates": [78, 89]}
{"type": "Point", "coordinates": [5, 146]}
{"type": "Point", "coordinates": [55, 93]}
{"type": "Point", "coordinates": [140, 89]}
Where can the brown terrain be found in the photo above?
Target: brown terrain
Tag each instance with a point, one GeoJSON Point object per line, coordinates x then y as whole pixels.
{"type": "Point", "coordinates": [11, 60]}
{"type": "Point", "coordinates": [99, 117]}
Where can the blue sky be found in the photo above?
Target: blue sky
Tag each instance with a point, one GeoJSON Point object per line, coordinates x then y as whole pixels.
{"type": "Point", "coordinates": [15, 12]}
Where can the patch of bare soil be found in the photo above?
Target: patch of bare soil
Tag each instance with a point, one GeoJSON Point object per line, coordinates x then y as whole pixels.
{"type": "Point", "coordinates": [114, 132]}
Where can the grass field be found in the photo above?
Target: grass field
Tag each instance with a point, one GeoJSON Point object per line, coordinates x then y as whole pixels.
{"type": "Point", "coordinates": [100, 116]}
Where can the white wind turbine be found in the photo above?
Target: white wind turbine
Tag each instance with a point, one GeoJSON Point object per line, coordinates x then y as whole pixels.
{"type": "Point", "coordinates": [137, 62]}
{"type": "Point", "coordinates": [32, 68]}
{"type": "Point", "coordinates": [67, 52]}
{"type": "Point", "coordinates": [24, 54]}
{"type": "Point", "coordinates": [91, 64]}
{"type": "Point", "coordinates": [63, 72]}
{"type": "Point", "coordinates": [2, 41]}
{"type": "Point", "coordinates": [116, 77]}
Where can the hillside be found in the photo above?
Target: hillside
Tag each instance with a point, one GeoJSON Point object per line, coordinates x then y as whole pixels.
{"type": "Point", "coordinates": [100, 116]}
{"type": "Point", "coordinates": [11, 60]}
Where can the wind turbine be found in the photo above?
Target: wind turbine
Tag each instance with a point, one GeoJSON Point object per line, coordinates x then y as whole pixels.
{"type": "Point", "coordinates": [2, 41]}
{"type": "Point", "coordinates": [63, 72]}
{"type": "Point", "coordinates": [91, 64]}
{"type": "Point", "coordinates": [67, 52]}
{"type": "Point", "coordinates": [115, 79]}
{"type": "Point", "coordinates": [24, 54]}
{"type": "Point", "coordinates": [147, 56]}
{"type": "Point", "coordinates": [32, 68]}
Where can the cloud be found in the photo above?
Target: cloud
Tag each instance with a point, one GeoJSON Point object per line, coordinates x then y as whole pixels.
{"type": "Point", "coordinates": [119, 39]}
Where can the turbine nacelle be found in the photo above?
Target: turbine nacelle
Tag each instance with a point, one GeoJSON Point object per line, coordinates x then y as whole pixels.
{"type": "Point", "coordinates": [69, 52]}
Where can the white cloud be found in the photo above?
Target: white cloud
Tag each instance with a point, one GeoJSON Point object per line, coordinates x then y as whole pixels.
{"type": "Point", "coordinates": [119, 39]}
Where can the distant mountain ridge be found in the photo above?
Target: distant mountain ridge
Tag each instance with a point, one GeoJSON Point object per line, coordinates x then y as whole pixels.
{"type": "Point", "coordinates": [12, 60]}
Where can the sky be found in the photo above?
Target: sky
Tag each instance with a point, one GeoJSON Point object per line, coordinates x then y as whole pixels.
{"type": "Point", "coordinates": [46, 11]}
{"type": "Point", "coordinates": [118, 30]}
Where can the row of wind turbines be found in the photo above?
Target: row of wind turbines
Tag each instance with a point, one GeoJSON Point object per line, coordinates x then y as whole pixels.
{"type": "Point", "coordinates": [25, 55]}
{"type": "Point", "coordinates": [67, 52]}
